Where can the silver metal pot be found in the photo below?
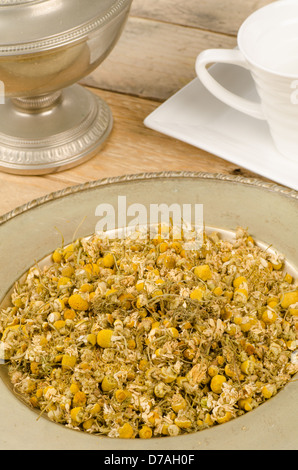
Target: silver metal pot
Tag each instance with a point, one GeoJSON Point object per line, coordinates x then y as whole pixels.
{"type": "Point", "coordinates": [48, 122]}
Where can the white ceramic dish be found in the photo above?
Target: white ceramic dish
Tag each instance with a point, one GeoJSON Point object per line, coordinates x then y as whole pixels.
{"type": "Point", "coordinates": [196, 117]}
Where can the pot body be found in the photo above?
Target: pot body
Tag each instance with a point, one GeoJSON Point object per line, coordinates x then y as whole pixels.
{"type": "Point", "coordinates": [50, 63]}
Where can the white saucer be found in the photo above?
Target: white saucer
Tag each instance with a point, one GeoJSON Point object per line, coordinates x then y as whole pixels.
{"type": "Point", "coordinates": [196, 117]}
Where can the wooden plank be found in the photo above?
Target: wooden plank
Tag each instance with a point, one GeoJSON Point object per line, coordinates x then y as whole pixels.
{"type": "Point", "coordinates": [224, 16]}
{"type": "Point", "coordinates": [154, 60]}
{"type": "Point", "coordinates": [132, 148]}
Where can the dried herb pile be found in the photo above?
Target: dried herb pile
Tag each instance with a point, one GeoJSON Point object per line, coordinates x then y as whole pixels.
{"type": "Point", "coordinates": [143, 338]}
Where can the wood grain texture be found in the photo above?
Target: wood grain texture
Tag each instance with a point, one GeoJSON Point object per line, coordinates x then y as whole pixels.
{"type": "Point", "coordinates": [154, 60]}
{"type": "Point", "coordinates": [131, 148]}
{"type": "Point", "coordinates": [224, 16]}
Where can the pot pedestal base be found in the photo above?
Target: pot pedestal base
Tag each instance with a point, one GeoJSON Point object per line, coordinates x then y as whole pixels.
{"type": "Point", "coordinates": [52, 133]}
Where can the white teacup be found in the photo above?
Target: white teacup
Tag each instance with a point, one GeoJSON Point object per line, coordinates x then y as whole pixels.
{"type": "Point", "coordinates": [268, 48]}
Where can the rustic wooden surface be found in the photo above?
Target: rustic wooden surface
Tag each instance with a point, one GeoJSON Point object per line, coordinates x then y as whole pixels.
{"type": "Point", "coordinates": [153, 59]}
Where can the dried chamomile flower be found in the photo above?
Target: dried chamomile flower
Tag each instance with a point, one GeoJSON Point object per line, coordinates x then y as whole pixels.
{"type": "Point", "coordinates": [143, 337]}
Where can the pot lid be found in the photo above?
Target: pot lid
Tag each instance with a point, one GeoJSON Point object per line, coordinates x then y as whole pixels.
{"type": "Point", "coordinates": [28, 26]}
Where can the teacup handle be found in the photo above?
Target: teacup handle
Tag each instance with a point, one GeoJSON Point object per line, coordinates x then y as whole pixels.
{"type": "Point", "coordinates": [226, 56]}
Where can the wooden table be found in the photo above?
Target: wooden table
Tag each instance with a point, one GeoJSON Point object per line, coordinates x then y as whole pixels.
{"type": "Point", "coordinates": [153, 59]}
